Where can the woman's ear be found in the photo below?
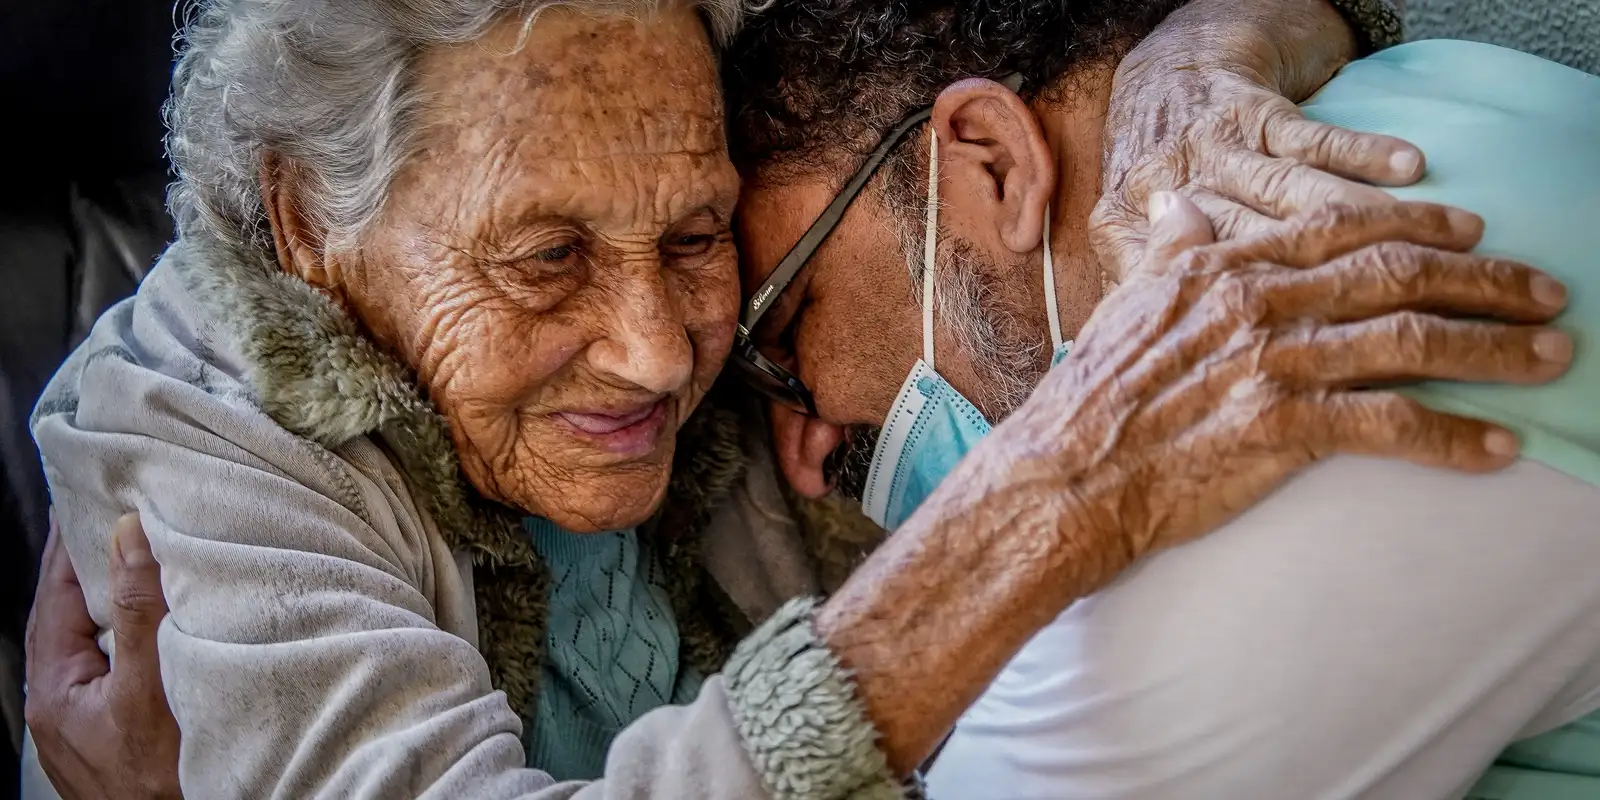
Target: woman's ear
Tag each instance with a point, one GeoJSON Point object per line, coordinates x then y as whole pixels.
{"type": "Point", "coordinates": [990, 141]}
{"type": "Point", "coordinates": [297, 239]}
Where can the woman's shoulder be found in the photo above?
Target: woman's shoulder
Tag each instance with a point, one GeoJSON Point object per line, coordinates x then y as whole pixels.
{"type": "Point", "coordinates": [157, 412]}
{"type": "Point", "coordinates": [159, 371]}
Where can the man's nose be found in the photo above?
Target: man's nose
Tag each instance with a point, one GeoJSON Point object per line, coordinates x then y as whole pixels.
{"type": "Point", "coordinates": [647, 345]}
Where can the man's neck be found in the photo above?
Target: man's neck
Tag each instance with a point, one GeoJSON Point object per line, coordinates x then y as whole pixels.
{"type": "Point", "coordinates": [1075, 130]}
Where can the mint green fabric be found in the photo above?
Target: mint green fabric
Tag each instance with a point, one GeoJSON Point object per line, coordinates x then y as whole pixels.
{"type": "Point", "coordinates": [1516, 139]}
{"type": "Point", "coordinates": [612, 648]}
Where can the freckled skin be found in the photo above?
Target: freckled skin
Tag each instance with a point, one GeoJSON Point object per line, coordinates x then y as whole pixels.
{"type": "Point", "coordinates": [560, 244]}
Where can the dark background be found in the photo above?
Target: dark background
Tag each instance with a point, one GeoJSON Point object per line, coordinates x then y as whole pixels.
{"type": "Point", "coordinates": [81, 219]}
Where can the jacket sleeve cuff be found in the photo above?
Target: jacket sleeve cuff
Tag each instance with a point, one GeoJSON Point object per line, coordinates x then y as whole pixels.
{"type": "Point", "coordinates": [796, 708]}
{"type": "Point", "coordinates": [1376, 23]}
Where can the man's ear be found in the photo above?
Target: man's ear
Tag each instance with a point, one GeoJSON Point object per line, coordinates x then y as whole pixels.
{"type": "Point", "coordinates": [297, 239]}
{"type": "Point", "coordinates": [989, 139]}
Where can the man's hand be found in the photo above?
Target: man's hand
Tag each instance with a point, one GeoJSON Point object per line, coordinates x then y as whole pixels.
{"type": "Point", "coordinates": [1206, 106]}
{"type": "Point", "coordinates": [103, 733]}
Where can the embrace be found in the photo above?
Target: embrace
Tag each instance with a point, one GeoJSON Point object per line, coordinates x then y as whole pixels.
{"type": "Point", "coordinates": [496, 425]}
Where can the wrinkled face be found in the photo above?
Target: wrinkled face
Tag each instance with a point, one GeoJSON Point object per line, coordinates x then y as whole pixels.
{"type": "Point", "coordinates": [850, 325]}
{"type": "Point", "coordinates": [556, 263]}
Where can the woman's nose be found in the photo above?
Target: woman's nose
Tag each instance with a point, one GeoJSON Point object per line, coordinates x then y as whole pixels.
{"type": "Point", "coordinates": [647, 345]}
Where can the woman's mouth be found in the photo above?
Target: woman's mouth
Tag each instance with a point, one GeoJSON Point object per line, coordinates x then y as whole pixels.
{"type": "Point", "coordinates": [626, 431]}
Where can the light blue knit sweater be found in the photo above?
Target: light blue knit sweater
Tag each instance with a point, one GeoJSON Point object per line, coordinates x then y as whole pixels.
{"type": "Point", "coordinates": [612, 648]}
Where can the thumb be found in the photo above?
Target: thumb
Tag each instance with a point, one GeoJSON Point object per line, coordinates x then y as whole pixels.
{"type": "Point", "coordinates": [1176, 224]}
{"type": "Point", "coordinates": [137, 608]}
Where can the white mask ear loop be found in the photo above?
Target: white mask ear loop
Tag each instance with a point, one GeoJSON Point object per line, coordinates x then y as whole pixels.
{"type": "Point", "coordinates": [1050, 285]}
{"type": "Point", "coordinates": [930, 247]}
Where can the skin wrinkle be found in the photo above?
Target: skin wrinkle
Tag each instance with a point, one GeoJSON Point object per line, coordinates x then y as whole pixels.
{"type": "Point", "coordinates": [453, 278]}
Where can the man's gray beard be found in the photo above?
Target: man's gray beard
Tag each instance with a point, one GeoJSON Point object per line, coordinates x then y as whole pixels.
{"type": "Point", "coordinates": [849, 464]}
{"type": "Point", "coordinates": [987, 328]}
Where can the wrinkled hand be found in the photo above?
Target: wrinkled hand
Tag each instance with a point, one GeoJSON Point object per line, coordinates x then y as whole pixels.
{"type": "Point", "coordinates": [1217, 370]}
{"type": "Point", "coordinates": [103, 732]}
{"type": "Point", "coordinates": [1223, 134]}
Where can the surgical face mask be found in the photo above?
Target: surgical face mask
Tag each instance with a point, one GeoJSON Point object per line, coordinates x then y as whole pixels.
{"type": "Point", "coordinates": [931, 425]}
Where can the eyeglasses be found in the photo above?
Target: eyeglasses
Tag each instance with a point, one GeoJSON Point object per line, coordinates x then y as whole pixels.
{"type": "Point", "coordinates": [763, 374]}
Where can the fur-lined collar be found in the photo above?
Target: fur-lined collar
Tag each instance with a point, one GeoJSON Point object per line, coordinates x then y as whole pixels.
{"type": "Point", "coordinates": [315, 374]}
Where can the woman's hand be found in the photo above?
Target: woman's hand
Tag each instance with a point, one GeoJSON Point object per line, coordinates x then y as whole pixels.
{"type": "Point", "coordinates": [1206, 105]}
{"type": "Point", "coordinates": [1213, 374]}
{"type": "Point", "coordinates": [102, 733]}
{"type": "Point", "coordinates": [1218, 370]}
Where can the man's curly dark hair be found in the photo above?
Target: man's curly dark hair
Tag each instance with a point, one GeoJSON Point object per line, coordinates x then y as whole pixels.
{"type": "Point", "coordinates": [811, 82]}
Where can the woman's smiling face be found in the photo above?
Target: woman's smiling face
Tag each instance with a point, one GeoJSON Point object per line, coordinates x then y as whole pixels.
{"type": "Point", "coordinates": [556, 263]}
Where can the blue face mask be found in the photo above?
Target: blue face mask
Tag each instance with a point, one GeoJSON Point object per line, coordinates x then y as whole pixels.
{"type": "Point", "coordinates": [931, 425]}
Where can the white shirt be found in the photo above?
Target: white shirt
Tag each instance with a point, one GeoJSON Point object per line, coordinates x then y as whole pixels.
{"type": "Point", "coordinates": [1374, 629]}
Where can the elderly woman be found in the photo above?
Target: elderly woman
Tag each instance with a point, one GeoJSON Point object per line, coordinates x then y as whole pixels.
{"type": "Point", "coordinates": [409, 415]}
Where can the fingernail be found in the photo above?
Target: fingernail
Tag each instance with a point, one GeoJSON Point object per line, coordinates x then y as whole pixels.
{"type": "Point", "coordinates": [1549, 291]}
{"type": "Point", "coordinates": [1553, 346]}
{"type": "Point", "coordinates": [1405, 163]}
{"type": "Point", "coordinates": [1501, 443]}
{"type": "Point", "coordinates": [1160, 204]}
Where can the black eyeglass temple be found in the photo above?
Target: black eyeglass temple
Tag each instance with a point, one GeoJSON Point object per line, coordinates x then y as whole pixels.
{"type": "Point", "coordinates": [819, 230]}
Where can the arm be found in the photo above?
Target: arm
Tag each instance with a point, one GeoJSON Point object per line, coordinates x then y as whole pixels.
{"type": "Point", "coordinates": [303, 655]}
{"type": "Point", "coordinates": [302, 590]}
{"type": "Point", "coordinates": [1128, 446]}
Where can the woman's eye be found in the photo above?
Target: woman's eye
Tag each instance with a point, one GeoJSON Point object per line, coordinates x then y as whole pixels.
{"type": "Point", "coordinates": [690, 244]}
{"type": "Point", "coordinates": [555, 255]}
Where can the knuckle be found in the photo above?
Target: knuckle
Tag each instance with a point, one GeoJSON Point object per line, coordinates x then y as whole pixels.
{"type": "Point", "coordinates": [1503, 274]}
{"type": "Point", "coordinates": [1431, 217]}
{"type": "Point", "coordinates": [1330, 217]}
{"type": "Point", "coordinates": [1104, 214]}
{"type": "Point", "coordinates": [1510, 345]}
{"type": "Point", "coordinates": [1399, 264]}
{"type": "Point", "coordinates": [1405, 413]}
{"type": "Point", "coordinates": [1345, 215]}
{"type": "Point", "coordinates": [135, 605]}
{"type": "Point", "coordinates": [1166, 169]}
{"type": "Point", "coordinates": [1237, 298]}
{"type": "Point", "coordinates": [1406, 422]}
{"type": "Point", "coordinates": [1343, 145]}
{"type": "Point", "coordinates": [1274, 179]}
{"type": "Point", "coordinates": [1322, 141]}
{"type": "Point", "coordinates": [39, 711]}
{"type": "Point", "coordinates": [1411, 334]}
{"type": "Point", "coordinates": [1193, 261]}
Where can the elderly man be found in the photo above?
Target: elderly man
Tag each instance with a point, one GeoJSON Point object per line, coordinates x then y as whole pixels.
{"type": "Point", "coordinates": [1394, 663]}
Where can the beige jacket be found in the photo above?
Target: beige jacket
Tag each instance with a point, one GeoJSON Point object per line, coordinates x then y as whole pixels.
{"type": "Point", "coordinates": [327, 628]}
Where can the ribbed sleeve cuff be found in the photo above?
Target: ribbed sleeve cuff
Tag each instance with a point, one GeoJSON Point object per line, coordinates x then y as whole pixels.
{"type": "Point", "coordinates": [795, 706]}
{"type": "Point", "coordinates": [1377, 23]}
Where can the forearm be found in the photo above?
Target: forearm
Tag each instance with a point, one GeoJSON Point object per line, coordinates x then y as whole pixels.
{"type": "Point", "coordinates": [1292, 46]}
{"type": "Point", "coordinates": [936, 613]}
